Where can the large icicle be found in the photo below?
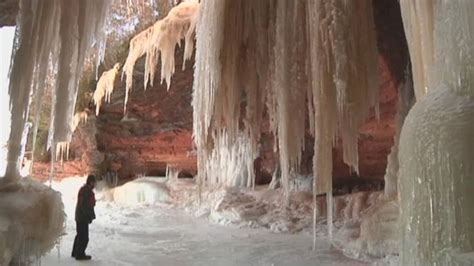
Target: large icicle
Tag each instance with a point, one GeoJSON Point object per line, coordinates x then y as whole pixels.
{"type": "Point", "coordinates": [206, 78]}
{"type": "Point", "coordinates": [105, 87]}
{"type": "Point", "coordinates": [418, 23]}
{"type": "Point", "coordinates": [161, 39]}
{"type": "Point", "coordinates": [81, 23]}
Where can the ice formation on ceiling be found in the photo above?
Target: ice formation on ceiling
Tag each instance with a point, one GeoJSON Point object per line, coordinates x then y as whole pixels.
{"type": "Point", "coordinates": [437, 140]}
{"type": "Point", "coordinates": [161, 40]}
{"type": "Point", "coordinates": [105, 87]}
{"type": "Point", "coordinates": [314, 60]}
{"type": "Point", "coordinates": [54, 34]}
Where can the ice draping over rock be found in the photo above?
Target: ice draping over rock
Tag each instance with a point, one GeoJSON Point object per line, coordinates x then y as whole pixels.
{"type": "Point", "coordinates": [161, 40]}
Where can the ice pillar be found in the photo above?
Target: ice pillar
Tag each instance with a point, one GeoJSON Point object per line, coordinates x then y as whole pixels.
{"type": "Point", "coordinates": [436, 183]}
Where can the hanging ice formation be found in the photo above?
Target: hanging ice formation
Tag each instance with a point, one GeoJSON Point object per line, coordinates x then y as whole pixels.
{"type": "Point", "coordinates": [105, 87]}
{"type": "Point", "coordinates": [49, 34]}
{"type": "Point", "coordinates": [284, 55]}
{"type": "Point", "coordinates": [79, 117]}
{"type": "Point", "coordinates": [436, 184]}
{"type": "Point", "coordinates": [161, 40]}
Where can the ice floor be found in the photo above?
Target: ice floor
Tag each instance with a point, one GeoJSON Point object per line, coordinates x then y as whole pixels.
{"type": "Point", "coordinates": [153, 235]}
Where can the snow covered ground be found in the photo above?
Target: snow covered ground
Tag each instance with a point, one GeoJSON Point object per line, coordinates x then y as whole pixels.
{"type": "Point", "coordinates": [162, 235]}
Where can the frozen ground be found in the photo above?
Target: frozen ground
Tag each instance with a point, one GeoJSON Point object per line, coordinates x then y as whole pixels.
{"type": "Point", "coordinates": [162, 235]}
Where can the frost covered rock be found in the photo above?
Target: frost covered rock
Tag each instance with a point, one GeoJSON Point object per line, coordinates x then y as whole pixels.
{"type": "Point", "coordinates": [31, 221]}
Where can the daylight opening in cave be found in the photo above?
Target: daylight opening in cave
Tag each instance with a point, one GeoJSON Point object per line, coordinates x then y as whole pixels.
{"type": "Point", "coordinates": [346, 127]}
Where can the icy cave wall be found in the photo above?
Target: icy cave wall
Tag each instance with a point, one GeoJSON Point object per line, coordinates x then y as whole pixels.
{"type": "Point", "coordinates": [157, 130]}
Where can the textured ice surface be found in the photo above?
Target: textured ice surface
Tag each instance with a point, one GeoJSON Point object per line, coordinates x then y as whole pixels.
{"type": "Point", "coordinates": [436, 184]}
{"type": "Point", "coordinates": [437, 139]}
{"type": "Point", "coordinates": [31, 221]}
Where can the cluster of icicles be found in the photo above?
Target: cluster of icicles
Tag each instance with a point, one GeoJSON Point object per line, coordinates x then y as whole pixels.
{"type": "Point", "coordinates": [51, 37]}
{"type": "Point", "coordinates": [298, 61]}
{"type": "Point", "coordinates": [54, 39]}
{"type": "Point", "coordinates": [158, 40]}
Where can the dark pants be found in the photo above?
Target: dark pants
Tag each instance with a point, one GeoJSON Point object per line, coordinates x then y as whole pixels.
{"type": "Point", "coordinates": [81, 239]}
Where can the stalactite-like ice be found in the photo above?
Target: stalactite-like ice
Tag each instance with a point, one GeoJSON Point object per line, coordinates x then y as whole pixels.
{"type": "Point", "coordinates": [105, 87]}
{"type": "Point", "coordinates": [297, 57]}
{"type": "Point", "coordinates": [437, 141]}
{"type": "Point", "coordinates": [138, 46]}
{"type": "Point", "coordinates": [81, 24]}
{"type": "Point", "coordinates": [344, 78]}
{"type": "Point", "coordinates": [342, 63]}
{"type": "Point", "coordinates": [50, 33]}
{"type": "Point", "coordinates": [231, 167]}
{"type": "Point", "coordinates": [161, 39]}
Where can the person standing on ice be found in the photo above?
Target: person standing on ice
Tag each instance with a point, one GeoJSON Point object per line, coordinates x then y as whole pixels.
{"type": "Point", "coordinates": [84, 216]}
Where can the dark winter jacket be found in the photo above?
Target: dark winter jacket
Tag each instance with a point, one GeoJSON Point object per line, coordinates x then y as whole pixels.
{"type": "Point", "coordinates": [85, 205]}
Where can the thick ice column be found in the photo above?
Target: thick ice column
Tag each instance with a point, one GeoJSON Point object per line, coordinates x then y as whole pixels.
{"type": "Point", "coordinates": [437, 147]}
{"type": "Point", "coordinates": [19, 89]}
{"type": "Point", "coordinates": [436, 184]}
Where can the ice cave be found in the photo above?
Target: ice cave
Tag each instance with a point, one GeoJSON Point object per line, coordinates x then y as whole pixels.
{"type": "Point", "coordinates": [238, 132]}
